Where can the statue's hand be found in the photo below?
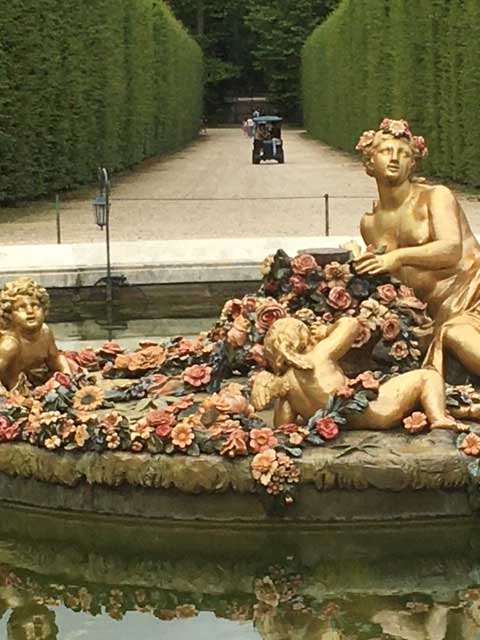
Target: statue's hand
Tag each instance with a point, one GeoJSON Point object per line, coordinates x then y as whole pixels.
{"type": "Point", "coordinates": [374, 264]}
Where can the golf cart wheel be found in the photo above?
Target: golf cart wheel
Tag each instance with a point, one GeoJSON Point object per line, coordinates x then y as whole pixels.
{"type": "Point", "coordinates": [255, 158]}
{"type": "Point", "coordinates": [281, 157]}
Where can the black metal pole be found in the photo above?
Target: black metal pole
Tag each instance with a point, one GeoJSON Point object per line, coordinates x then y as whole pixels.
{"type": "Point", "coordinates": [109, 291]}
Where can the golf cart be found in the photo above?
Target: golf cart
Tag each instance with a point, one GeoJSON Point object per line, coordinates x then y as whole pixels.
{"type": "Point", "coordinates": [267, 139]}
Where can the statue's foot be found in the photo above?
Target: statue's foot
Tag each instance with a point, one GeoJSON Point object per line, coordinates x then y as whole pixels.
{"type": "Point", "coordinates": [468, 412]}
{"type": "Point", "coordinates": [445, 422]}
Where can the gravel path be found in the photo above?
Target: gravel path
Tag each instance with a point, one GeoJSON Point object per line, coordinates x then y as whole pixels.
{"type": "Point", "coordinates": [211, 190]}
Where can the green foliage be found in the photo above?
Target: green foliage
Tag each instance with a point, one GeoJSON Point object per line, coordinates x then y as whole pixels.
{"type": "Point", "coordinates": [402, 59]}
{"type": "Point", "coordinates": [105, 82]}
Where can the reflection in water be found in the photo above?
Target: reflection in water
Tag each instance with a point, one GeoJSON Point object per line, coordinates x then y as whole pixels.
{"type": "Point", "coordinates": [336, 585]}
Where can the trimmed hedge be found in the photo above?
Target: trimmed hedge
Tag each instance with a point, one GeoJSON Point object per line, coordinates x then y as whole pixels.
{"type": "Point", "coordinates": [401, 59]}
{"type": "Point", "coordinates": [89, 83]}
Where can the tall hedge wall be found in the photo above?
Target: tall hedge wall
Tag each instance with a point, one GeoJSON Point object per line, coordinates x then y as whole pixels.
{"type": "Point", "coordinates": [399, 58]}
{"type": "Point", "coordinates": [91, 82]}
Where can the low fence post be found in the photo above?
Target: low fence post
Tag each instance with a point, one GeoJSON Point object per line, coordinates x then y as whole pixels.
{"type": "Point", "coordinates": [327, 214]}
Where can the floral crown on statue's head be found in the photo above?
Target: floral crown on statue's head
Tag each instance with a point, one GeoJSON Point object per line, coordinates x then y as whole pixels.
{"type": "Point", "coordinates": [397, 129]}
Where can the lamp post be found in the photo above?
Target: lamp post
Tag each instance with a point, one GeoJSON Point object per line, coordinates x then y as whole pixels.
{"type": "Point", "coordinates": [101, 207]}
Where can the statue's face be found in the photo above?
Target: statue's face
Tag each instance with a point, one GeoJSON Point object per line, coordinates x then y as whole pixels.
{"type": "Point", "coordinates": [27, 314]}
{"type": "Point", "coordinates": [392, 160]}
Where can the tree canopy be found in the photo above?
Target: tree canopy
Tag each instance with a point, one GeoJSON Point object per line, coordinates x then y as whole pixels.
{"type": "Point", "coordinates": [252, 47]}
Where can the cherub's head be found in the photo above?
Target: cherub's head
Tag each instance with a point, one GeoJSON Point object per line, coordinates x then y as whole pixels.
{"type": "Point", "coordinates": [287, 340]}
{"type": "Point", "coordinates": [23, 305]}
{"type": "Point", "coordinates": [391, 151]}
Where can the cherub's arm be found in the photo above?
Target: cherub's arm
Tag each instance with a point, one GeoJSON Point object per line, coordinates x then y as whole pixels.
{"type": "Point", "coordinates": [267, 387]}
{"type": "Point", "coordinates": [8, 354]}
{"type": "Point", "coordinates": [340, 340]}
{"type": "Point", "coordinates": [55, 360]}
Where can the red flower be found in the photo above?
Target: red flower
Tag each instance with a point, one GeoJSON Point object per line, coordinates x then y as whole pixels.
{"type": "Point", "coordinates": [298, 284]}
{"type": "Point", "coordinates": [8, 431]}
{"type": "Point", "coordinates": [62, 379]}
{"type": "Point", "coordinates": [327, 428]}
{"type": "Point", "coordinates": [161, 421]}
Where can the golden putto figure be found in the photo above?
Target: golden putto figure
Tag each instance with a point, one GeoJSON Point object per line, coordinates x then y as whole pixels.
{"type": "Point", "coordinates": [26, 343]}
{"type": "Point", "coordinates": [420, 234]}
{"type": "Point", "coordinates": [306, 373]}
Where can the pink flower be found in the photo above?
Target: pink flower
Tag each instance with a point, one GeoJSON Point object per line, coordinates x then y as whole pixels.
{"type": "Point", "coordinates": [232, 308]}
{"type": "Point", "coordinates": [363, 336]}
{"type": "Point", "coordinates": [339, 298]}
{"type": "Point", "coordinates": [327, 428]}
{"type": "Point", "coordinates": [235, 445]}
{"type": "Point", "coordinates": [345, 391]}
{"type": "Point", "coordinates": [399, 350]}
{"type": "Point", "coordinates": [416, 422]}
{"type": "Point", "coordinates": [367, 380]}
{"type": "Point", "coordinates": [386, 293]}
{"type": "Point", "coordinates": [267, 314]}
{"type": "Point", "coordinates": [161, 421]}
{"type": "Point", "coordinates": [303, 263]}
{"type": "Point", "coordinates": [391, 328]}
{"type": "Point", "coordinates": [365, 141]}
{"type": "Point", "coordinates": [8, 431]}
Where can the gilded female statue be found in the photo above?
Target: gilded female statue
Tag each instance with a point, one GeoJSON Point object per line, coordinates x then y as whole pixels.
{"type": "Point", "coordinates": [420, 234]}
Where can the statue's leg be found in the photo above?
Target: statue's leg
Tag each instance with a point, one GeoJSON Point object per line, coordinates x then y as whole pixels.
{"type": "Point", "coordinates": [463, 342]}
{"type": "Point", "coordinates": [402, 394]}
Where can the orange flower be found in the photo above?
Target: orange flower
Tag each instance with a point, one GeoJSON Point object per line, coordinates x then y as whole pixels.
{"type": "Point", "coordinates": [182, 435]}
{"type": "Point", "coordinates": [416, 422]}
{"type": "Point", "coordinates": [336, 274]}
{"type": "Point", "coordinates": [471, 445]}
{"type": "Point", "coordinates": [88, 398]}
{"type": "Point", "coordinates": [223, 426]}
{"type": "Point", "coordinates": [262, 439]}
{"type": "Point", "coordinates": [238, 334]}
{"type": "Point", "coordinates": [81, 435]}
{"type": "Point", "coordinates": [111, 422]}
{"type": "Point", "coordinates": [197, 375]}
{"type": "Point", "coordinates": [345, 391]}
{"type": "Point", "coordinates": [67, 429]}
{"type": "Point", "coordinates": [53, 443]}
{"type": "Point", "coordinates": [141, 430]}
{"type": "Point", "coordinates": [110, 349]}
{"type": "Point", "coordinates": [150, 357]}
{"type": "Point", "coordinates": [113, 440]}
{"type": "Point", "coordinates": [264, 465]}
{"type": "Point", "coordinates": [235, 445]}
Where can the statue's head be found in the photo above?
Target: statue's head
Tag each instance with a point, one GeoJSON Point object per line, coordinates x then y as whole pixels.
{"type": "Point", "coordinates": [285, 342]}
{"type": "Point", "coordinates": [391, 151]}
{"type": "Point", "coordinates": [23, 305]}
{"type": "Point", "coordinates": [32, 622]}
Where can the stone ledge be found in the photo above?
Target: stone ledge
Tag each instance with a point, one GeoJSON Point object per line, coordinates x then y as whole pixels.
{"type": "Point", "coordinates": [383, 477]}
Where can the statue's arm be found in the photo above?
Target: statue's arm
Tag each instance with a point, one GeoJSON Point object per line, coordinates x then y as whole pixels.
{"type": "Point", "coordinates": [9, 351]}
{"type": "Point", "coordinates": [340, 340]}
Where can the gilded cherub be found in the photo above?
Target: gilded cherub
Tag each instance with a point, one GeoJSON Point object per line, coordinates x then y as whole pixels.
{"type": "Point", "coordinates": [26, 342]}
{"type": "Point", "coordinates": [307, 373]}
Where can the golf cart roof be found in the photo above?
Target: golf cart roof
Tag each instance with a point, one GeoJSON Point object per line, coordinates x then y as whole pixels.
{"type": "Point", "coordinates": [266, 119]}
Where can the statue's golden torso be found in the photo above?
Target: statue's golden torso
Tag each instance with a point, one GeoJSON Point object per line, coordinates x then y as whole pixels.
{"type": "Point", "coordinates": [411, 225]}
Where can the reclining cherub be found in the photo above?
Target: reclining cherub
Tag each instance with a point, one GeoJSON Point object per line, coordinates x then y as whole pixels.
{"type": "Point", "coordinates": [307, 373]}
{"type": "Point", "coordinates": [26, 343]}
